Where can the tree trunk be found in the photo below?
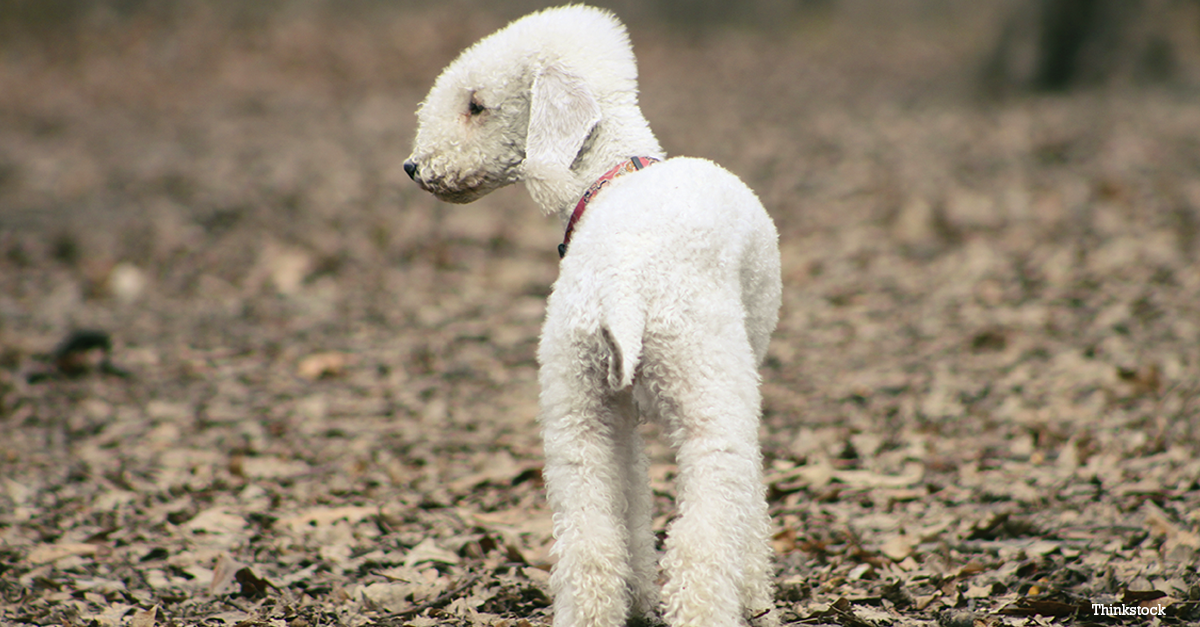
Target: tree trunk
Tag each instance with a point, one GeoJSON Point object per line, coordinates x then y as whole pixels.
{"type": "Point", "coordinates": [1056, 45]}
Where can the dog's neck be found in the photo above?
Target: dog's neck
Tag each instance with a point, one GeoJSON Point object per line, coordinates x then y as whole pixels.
{"type": "Point", "coordinates": [615, 139]}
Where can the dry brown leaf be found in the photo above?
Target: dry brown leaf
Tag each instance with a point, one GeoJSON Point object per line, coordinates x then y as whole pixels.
{"type": "Point", "coordinates": [322, 366]}
{"type": "Point", "coordinates": [819, 474]}
{"type": "Point", "coordinates": [814, 475]}
{"type": "Point", "coordinates": [285, 267]}
{"type": "Point", "coordinates": [144, 618]}
{"type": "Point", "coordinates": [911, 475]}
{"type": "Point", "coordinates": [428, 551]}
{"type": "Point", "coordinates": [1042, 548]}
{"type": "Point", "coordinates": [982, 591]}
{"type": "Point", "coordinates": [270, 467]}
{"type": "Point", "coordinates": [390, 597]}
{"type": "Point", "coordinates": [1157, 521]}
{"type": "Point", "coordinates": [499, 469]}
{"type": "Point", "coordinates": [319, 517]}
{"type": "Point", "coordinates": [860, 571]}
{"type": "Point", "coordinates": [112, 614]}
{"type": "Point", "coordinates": [216, 521]}
{"type": "Point", "coordinates": [251, 586]}
{"type": "Point", "coordinates": [223, 572]}
{"type": "Point", "coordinates": [899, 546]}
{"type": "Point", "coordinates": [1036, 607]}
{"type": "Point", "coordinates": [920, 602]}
{"type": "Point", "coordinates": [784, 541]}
{"type": "Point", "coordinates": [537, 522]}
{"type": "Point", "coordinates": [53, 552]}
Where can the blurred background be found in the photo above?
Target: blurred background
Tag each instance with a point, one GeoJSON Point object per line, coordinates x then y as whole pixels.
{"type": "Point", "coordinates": [223, 109]}
{"type": "Point", "coordinates": [215, 111]}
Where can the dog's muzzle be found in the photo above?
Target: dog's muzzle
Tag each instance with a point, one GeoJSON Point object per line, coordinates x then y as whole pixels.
{"type": "Point", "coordinates": [410, 168]}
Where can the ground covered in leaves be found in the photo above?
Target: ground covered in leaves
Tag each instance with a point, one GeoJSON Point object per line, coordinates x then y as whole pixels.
{"type": "Point", "coordinates": [250, 375]}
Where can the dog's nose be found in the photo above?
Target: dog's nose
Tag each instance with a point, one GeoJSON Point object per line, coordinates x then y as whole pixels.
{"type": "Point", "coordinates": [410, 168]}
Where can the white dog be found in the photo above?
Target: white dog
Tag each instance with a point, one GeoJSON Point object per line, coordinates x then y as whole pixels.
{"type": "Point", "coordinates": [667, 295]}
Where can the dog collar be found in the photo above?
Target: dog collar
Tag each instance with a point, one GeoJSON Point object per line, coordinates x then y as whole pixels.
{"type": "Point", "coordinates": [625, 167]}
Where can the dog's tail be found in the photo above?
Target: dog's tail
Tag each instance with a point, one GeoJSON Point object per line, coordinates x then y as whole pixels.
{"type": "Point", "coordinates": [622, 328]}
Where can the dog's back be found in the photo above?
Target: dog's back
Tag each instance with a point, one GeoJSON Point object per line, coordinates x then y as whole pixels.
{"type": "Point", "coordinates": [679, 243]}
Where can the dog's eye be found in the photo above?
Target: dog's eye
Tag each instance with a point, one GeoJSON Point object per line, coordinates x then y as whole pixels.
{"type": "Point", "coordinates": [474, 107]}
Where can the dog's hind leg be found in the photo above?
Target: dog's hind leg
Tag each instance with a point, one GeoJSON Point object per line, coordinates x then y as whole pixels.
{"type": "Point", "coordinates": [718, 553]}
{"type": "Point", "coordinates": [639, 511]}
{"type": "Point", "coordinates": [588, 438]}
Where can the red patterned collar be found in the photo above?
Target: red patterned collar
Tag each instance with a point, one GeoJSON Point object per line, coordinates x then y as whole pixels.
{"type": "Point", "coordinates": [625, 167]}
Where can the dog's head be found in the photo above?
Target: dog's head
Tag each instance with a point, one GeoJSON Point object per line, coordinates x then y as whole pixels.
{"type": "Point", "coordinates": [520, 104]}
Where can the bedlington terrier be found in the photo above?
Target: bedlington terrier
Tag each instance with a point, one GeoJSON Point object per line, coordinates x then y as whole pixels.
{"type": "Point", "coordinates": [667, 295]}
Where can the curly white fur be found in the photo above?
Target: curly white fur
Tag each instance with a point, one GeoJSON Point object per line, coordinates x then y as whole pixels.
{"type": "Point", "coordinates": [662, 310]}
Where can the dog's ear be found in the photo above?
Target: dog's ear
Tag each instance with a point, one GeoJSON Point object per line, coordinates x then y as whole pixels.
{"type": "Point", "coordinates": [562, 113]}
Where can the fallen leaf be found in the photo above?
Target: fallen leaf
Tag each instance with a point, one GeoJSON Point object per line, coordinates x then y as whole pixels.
{"type": "Point", "coordinates": [1142, 596]}
{"type": "Point", "coordinates": [322, 366]}
{"type": "Point", "coordinates": [1035, 607]}
{"type": "Point", "coordinates": [286, 267]}
{"type": "Point", "coordinates": [499, 469]}
{"type": "Point", "coordinates": [319, 517]}
{"type": "Point", "coordinates": [843, 612]}
{"type": "Point", "coordinates": [1179, 541]}
{"type": "Point", "coordinates": [269, 467]}
{"type": "Point", "coordinates": [971, 568]}
{"type": "Point", "coordinates": [978, 592]}
{"type": "Point", "coordinates": [252, 586]}
{"type": "Point", "coordinates": [98, 584]}
{"type": "Point", "coordinates": [858, 572]}
{"type": "Point", "coordinates": [913, 472]}
{"type": "Point", "coordinates": [813, 475]}
{"type": "Point", "coordinates": [110, 616]}
{"type": "Point", "coordinates": [920, 602]}
{"type": "Point", "coordinates": [223, 573]}
{"type": "Point", "coordinates": [898, 546]}
{"type": "Point", "coordinates": [784, 541]}
{"type": "Point", "coordinates": [53, 552]}
{"type": "Point", "coordinates": [1042, 548]}
{"type": "Point", "coordinates": [216, 521]}
{"type": "Point", "coordinates": [428, 551]}
{"type": "Point", "coordinates": [144, 618]}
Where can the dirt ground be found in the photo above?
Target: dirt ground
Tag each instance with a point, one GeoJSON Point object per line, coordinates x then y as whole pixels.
{"type": "Point", "coordinates": [318, 402]}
